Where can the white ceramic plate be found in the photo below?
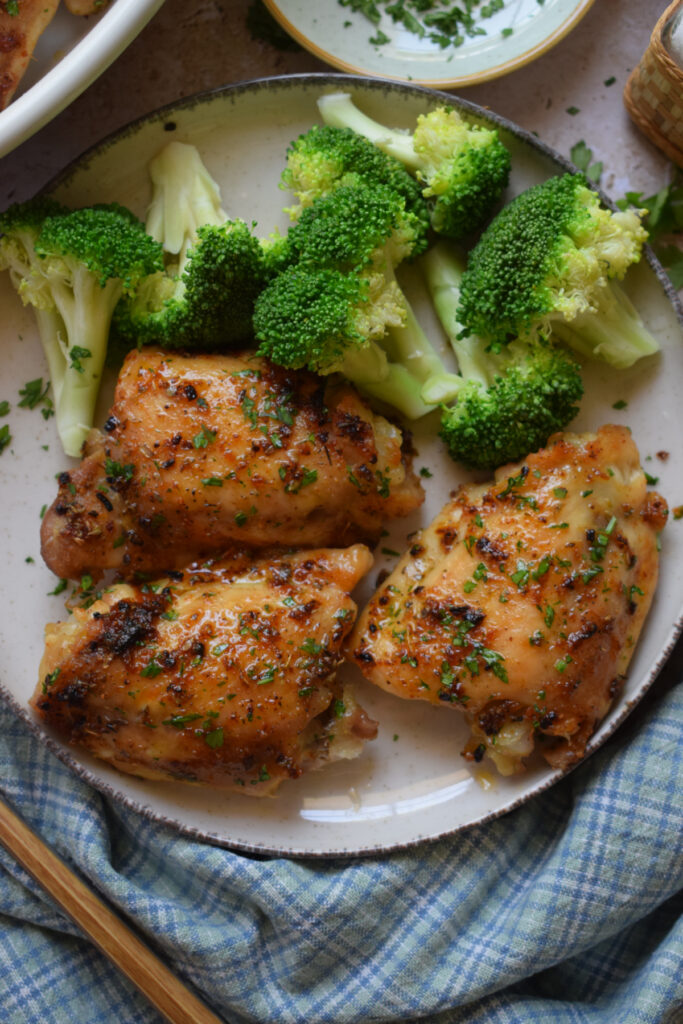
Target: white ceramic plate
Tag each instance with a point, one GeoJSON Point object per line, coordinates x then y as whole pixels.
{"type": "Point", "coordinates": [343, 38]}
{"type": "Point", "coordinates": [411, 783]}
{"type": "Point", "coordinates": [70, 54]}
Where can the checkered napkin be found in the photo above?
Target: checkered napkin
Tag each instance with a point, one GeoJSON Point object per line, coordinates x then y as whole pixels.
{"type": "Point", "coordinates": [566, 911]}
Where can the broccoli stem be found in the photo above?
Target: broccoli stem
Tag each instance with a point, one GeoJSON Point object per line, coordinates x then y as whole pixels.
{"type": "Point", "coordinates": [52, 333]}
{"type": "Point", "coordinates": [339, 111]}
{"type": "Point", "coordinates": [443, 268]}
{"type": "Point", "coordinates": [614, 333]}
{"type": "Point", "coordinates": [392, 383]}
{"type": "Point", "coordinates": [86, 309]}
{"type": "Point", "coordinates": [185, 196]}
{"type": "Point", "coordinates": [400, 390]}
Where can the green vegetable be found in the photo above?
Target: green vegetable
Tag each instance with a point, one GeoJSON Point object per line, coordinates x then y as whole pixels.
{"type": "Point", "coordinates": [324, 157]}
{"type": "Point", "coordinates": [463, 168]}
{"type": "Point", "coordinates": [340, 309]}
{"type": "Point", "coordinates": [441, 22]}
{"type": "Point", "coordinates": [549, 262]}
{"type": "Point", "coordinates": [73, 267]}
{"type": "Point", "coordinates": [507, 403]}
{"type": "Point", "coordinates": [204, 298]}
{"type": "Point", "coordinates": [664, 221]}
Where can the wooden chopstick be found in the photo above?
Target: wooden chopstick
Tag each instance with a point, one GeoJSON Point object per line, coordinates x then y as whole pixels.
{"type": "Point", "coordinates": [102, 926]}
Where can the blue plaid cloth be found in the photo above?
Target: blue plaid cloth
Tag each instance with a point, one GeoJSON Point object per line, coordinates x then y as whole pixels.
{"type": "Point", "coordinates": [567, 910]}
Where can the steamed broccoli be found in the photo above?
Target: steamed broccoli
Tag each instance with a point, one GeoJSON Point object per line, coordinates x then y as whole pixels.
{"type": "Point", "coordinates": [83, 261]}
{"type": "Point", "coordinates": [359, 233]}
{"type": "Point", "coordinates": [548, 262]}
{"type": "Point", "coordinates": [19, 228]}
{"type": "Point", "coordinates": [463, 167]}
{"type": "Point", "coordinates": [210, 303]}
{"type": "Point", "coordinates": [328, 321]}
{"type": "Point", "coordinates": [508, 402]}
{"type": "Point", "coordinates": [215, 267]}
{"type": "Point", "coordinates": [324, 158]}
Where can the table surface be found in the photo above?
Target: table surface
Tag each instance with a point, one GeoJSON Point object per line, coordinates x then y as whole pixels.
{"type": "Point", "coordinates": [195, 45]}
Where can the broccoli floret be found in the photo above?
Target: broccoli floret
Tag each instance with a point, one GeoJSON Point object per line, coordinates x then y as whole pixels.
{"type": "Point", "coordinates": [328, 321]}
{"type": "Point", "coordinates": [19, 228]}
{"type": "Point", "coordinates": [81, 263]}
{"type": "Point", "coordinates": [356, 226]}
{"type": "Point", "coordinates": [362, 231]}
{"type": "Point", "coordinates": [463, 167]}
{"type": "Point", "coordinates": [508, 402]}
{"type": "Point", "coordinates": [215, 266]}
{"type": "Point", "coordinates": [324, 158]}
{"type": "Point", "coordinates": [210, 305]}
{"type": "Point", "coordinates": [548, 262]}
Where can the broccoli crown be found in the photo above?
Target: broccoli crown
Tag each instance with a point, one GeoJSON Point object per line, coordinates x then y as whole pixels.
{"type": "Point", "coordinates": [356, 226]}
{"type": "Point", "coordinates": [20, 226]}
{"type": "Point", "coordinates": [276, 253]}
{"type": "Point", "coordinates": [547, 255]}
{"type": "Point", "coordinates": [108, 241]}
{"type": "Point", "coordinates": [29, 216]}
{"type": "Point", "coordinates": [325, 157]}
{"type": "Point", "coordinates": [211, 304]}
{"type": "Point", "coordinates": [465, 168]}
{"type": "Point", "coordinates": [316, 318]}
{"type": "Point", "coordinates": [533, 392]}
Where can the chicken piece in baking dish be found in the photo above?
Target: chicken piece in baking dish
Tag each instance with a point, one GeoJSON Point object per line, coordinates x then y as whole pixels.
{"type": "Point", "coordinates": [21, 25]}
{"type": "Point", "coordinates": [522, 602]}
{"type": "Point", "coordinates": [223, 674]}
{"type": "Point", "coordinates": [207, 452]}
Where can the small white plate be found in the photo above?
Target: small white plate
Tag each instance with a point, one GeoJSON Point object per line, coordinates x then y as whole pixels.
{"type": "Point", "coordinates": [411, 783]}
{"type": "Point", "coordinates": [342, 37]}
{"type": "Point", "coordinates": [70, 54]}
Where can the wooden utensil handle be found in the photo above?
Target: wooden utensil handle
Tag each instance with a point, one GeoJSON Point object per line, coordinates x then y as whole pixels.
{"type": "Point", "coordinates": [108, 932]}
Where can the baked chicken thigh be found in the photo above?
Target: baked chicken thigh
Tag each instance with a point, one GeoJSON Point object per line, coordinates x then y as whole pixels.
{"type": "Point", "coordinates": [521, 604]}
{"type": "Point", "coordinates": [21, 25]}
{"type": "Point", "coordinates": [207, 452]}
{"type": "Point", "coordinates": [222, 675]}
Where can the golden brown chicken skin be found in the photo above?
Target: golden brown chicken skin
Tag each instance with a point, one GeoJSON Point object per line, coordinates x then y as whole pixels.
{"type": "Point", "coordinates": [522, 602]}
{"type": "Point", "coordinates": [208, 452]}
{"type": "Point", "coordinates": [223, 675]}
{"type": "Point", "coordinates": [21, 24]}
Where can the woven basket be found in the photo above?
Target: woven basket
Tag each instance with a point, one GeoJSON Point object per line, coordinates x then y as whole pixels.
{"type": "Point", "coordinates": [654, 92]}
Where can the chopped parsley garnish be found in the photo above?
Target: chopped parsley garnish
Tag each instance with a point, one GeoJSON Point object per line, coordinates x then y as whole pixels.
{"type": "Point", "coordinates": [5, 437]}
{"type": "Point", "coordinates": [116, 471]}
{"type": "Point", "coordinates": [583, 158]}
{"type": "Point", "coordinates": [77, 354]}
{"type": "Point", "coordinates": [59, 589]}
{"type": "Point", "coordinates": [180, 721]}
{"type": "Point", "coordinates": [204, 438]}
{"type": "Point", "coordinates": [4, 408]}
{"type": "Point", "coordinates": [34, 393]}
{"type": "Point", "coordinates": [152, 669]}
{"type": "Point", "coordinates": [311, 646]}
{"type": "Point", "coordinates": [214, 739]}
{"type": "Point", "coordinates": [50, 679]}
{"type": "Point", "coordinates": [621, 404]}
